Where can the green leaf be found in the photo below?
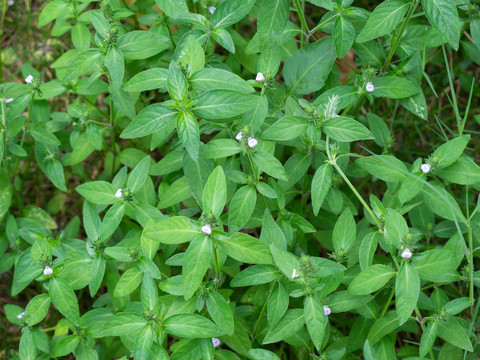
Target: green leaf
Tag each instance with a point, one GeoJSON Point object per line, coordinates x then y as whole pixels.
{"type": "Point", "coordinates": [44, 136]}
{"type": "Point", "coordinates": [443, 15]}
{"type": "Point", "coordinates": [442, 203]}
{"type": "Point", "coordinates": [343, 36]}
{"type": "Point", "coordinates": [174, 194]}
{"type": "Point", "coordinates": [285, 261]}
{"type": "Point", "coordinates": [98, 192]}
{"type": "Point", "coordinates": [241, 207]}
{"type": "Point", "coordinates": [191, 326]}
{"type": "Point", "coordinates": [192, 56]}
{"type": "Point", "coordinates": [197, 173]}
{"type": "Point", "coordinates": [137, 45]}
{"type": "Point", "coordinates": [261, 354]}
{"type": "Point", "coordinates": [371, 279]}
{"type": "Point", "coordinates": [222, 104]}
{"type": "Point", "coordinates": [66, 345]}
{"type": "Point", "coordinates": [122, 101]}
{"type": "Point", "coordinates": [64, 299]}
{"type": "Point", "coordinates": [452, 331]}
{"type": "Point", "coordinates": [446, 154]}
{"type": "Point", "coordinates": [287, 128]}
{"type": "Point", "coordinates": [177, 84]}
{"type": "Point", "coordinates": [116, 65]}
{"type": "Point", "coordinates": [143, 342]}
{"type": "Point", "coordinates": [255, 275]}
{"type": "Point", "coordinates": [271, 232]}
{"type": "Point", "coordinates": [173, 9]}
{"type": "Point", "coordinates": [195, 264]}
{"type": "Point", "coordinates": [139, 175]}
{"type": "Point", "coordinates": [437, 265]}
{"type": "Point", "coordinates": [113, 217]}
{"type": "Point", "coordinates": [215, 192]}
{"type": "Point", "coordinates": [383, 19]}
{"type": "Point", "coordinates": [151, 119]}
{"type": "Point", "coordinates": [383, 326]}
{"type": "Point", "coordinates": [124, 323]}
{"type": "Point", "coordinates": [269, 164]}
{"type": "Point", "coordinates": [27, 349]}
{"type": "Point", "coordinates": [386, 167]}
{"type": "Point", "coordinates": [394, 87]}
{"type": "Point", "coordinates": [81, 36]}
{"type": "Point", "coordinates": [37, 309]}
{"type": "Point", "coordinates": [215, 79]}
{"type": "Point", "coordinates": [428, 338]}
{"type": "Point", "coordinates": [289, 325]}
{"type": "Point", "coordinates": [396, 229]}
{"type": "Point", "coordinates": [128, 282]}
{"type": "Point", "coordinates": [277, 304]}
{"type": "Point", "coordinates": [220, 312]}
{"type": "Point", "coordinates": [245, 248]}
{"type": "Point", "coordinates": [223, 37]}
{"type": "Point", "coordinates": [407, 291]}
{"type": "Point", "coordinates": [272, 19]}
{"type": "Point", "coordinates": [189, 132]}
{"type": "Point", "coordinates": [151, 79]}
{"type": "Point", "coordinates": [316, 320]}
{"type": "Point", "coordinates": [51, 11]}
{"type": "Point", "coordinates": [321, 182]}
{"type": "Point", "coordinates": [345, 129]}
{"type": "Point", "coordinates": [172, 230]}
{"type": "Point", "coordinates": [231, 12]}
{"type": "Point", "coordinates": [220, 148]}
{"type": "Point", "coordinates": [307, 69]}
{"type": "Point", "coordinates": [342, 301]}
{"type": "Point", "coordinates": [344, 232]}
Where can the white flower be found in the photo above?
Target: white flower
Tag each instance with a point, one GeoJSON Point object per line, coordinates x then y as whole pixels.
{"type": "Point", "coordinates": [407, 254]}
{"type": "Point", "coordinates": [369, 87]}
{"type": "Point", "coordinates": [48, 270]}
{"type": "Point", "coordinates": [119, 193]}
{"type": "Point", "coordinates": [294, 274]}
{"type": "Point", "coordinates": [29, 79]}
{"type": "Point", "coordinates": [260, 77]}
{"type": "Point", "coordinates": [10, 2]}
{"type": "Point", "coordinates": [215, 342]}
{"type": "Point", "coordinates": [252, 142]}
{"type": "Point", "coordinates": [9, 100]}
{"type": "Point", "coordinates": [326, 310]}
{"type": "Point", "coordinates": [425, 168]}
{"type": "Point", "coordinates": [212, 9]}
{"type": "Point", "coordinates": [207, 229]}
{"type": "Point", "coordinates": [21, 315]}
{"type": "Point", "coordinates": [239, 136]}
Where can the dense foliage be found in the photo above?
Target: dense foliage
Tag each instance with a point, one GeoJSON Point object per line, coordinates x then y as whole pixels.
{"type": "Point", "coordinates": [233, 179]}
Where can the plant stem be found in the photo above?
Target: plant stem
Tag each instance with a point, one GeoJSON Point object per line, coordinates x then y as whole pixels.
{"type": "Point", "coordinates": [385, 307]}
{"type": "Point", "coordinates": [319, 26]}
{"type": "Point", "coordinates": [112, 136]}
{"type": "Point", "coordinates": [420, 320]}
{"type": "Point", "coordinates": [253, 167]}
{"type": "Point", "coordinates": [303, 22]}
{"type": "Point", "coordinates": [217, 265]}
{"type": "Point", "coordinates": [262, 312]}
{"type": "Point", "coordinates": [333, 161]}
{"type": "Point", "coordinates": [4, 130]}
{"type": "Point", "coordinates": [470, 263]}
{"type": "Point", "coordinates": [398, 35]}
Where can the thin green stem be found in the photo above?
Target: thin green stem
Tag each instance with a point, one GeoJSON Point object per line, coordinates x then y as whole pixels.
{"type": "Point", "coordinates": [322, 24]}
{"type": "Point", "coordinates": [112, 137]}
{"type": "Point", "coordinates": [398, 36]}
{"type": "Point", "coordinates": [303, 22]}
{"type": "Point", "coordinates": [4, 130]}
{"type": "Point", "coordinates": [4, 9]}
{"type": "Point", "coordinates": [217, 265]}
{"type": "Point", "coordinates": [452, 89]}
{"type": "Point", "coordinates": [253, 167]}
{"type": "Point", "coordinates": [420, 321]}
{"type": "Point", "coordinates": [333, 161]}
{"type": "Point", "coordinates": [387, 303]}
{"type": "Point", "coordinates": [470, 263]}
{"type": "Point", "coordinates": [262, 312]}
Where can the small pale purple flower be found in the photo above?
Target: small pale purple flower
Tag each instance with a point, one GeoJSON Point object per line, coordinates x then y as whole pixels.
{"type": "Point", "coordinates": [252, 142]}
{"type": "Point", "coordinates": [9, 100]}
{"type": "Point", "coordinates": [260, 77]}
{"type": "Point", "coordinates": [239, 136]}
{"type": "Point", "coordinates": [425, 168]}
{"type": "Point", "coordinates": [48, 270]}
{"type": "Point", "coordinates": [119, 192]}
{"type": "Point", "coordinates": [29, 79]}
{"type": "Point", "coordinates": [407, 254]}
{"type": "Point", "coordinates": [326, 310]}
{"type": "Point", "coordinates": [10, 2]}
{"type": "Point", "coordinates": [21, 315]}
{"type": "Point", "coordinates": [294, 274]}
{"type": "Point", "coordinates": [207, 229]}
{"type": "Point", "coordinates": [370, 87]}
{"type": "Point", "coordinates": [215, 342]}
{"type": "Point", "coordinates": [212, 9]}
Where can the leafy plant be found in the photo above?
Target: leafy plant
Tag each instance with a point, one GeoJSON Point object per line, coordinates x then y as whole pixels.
{"type": "Point", "coordinates": [242, 179]}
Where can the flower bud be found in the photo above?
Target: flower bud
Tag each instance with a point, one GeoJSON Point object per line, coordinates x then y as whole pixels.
{"type": "Point", "coordinates": [207, 229]}
{"type": "Point", "coordinates": [9, 100]}
{"type": "Point", "coordinates": [252, 142]}
{"type": "Point", "coordinates": [425, 168]}
{"type": "Point", "coordinates": [119, 194]}
{"type": "Point", "coordinates": [407, 254]}
{"type": "Point", "coordinates": [369, 87]}
{"type": "Point", "coordinates": [294, 274]}
{"type": "Point", "coordinates": [239, 136]}
{"type": "Point", "coordinates": [215, 342]}
{"type": "Point", "coordinates": [21, 315]}
{"type": "Point", "coordinates": [29, 79]}
{"type": "Point", "coordinates": [326, 310]}
{"type": "Point", "coordinates": [260, 77]}
{"type": "Point", "coordinates": [48, 270]}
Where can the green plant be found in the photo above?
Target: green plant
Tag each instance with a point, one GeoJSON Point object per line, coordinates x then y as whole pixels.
{"type": "Point", "coordinates": [242, 179]}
